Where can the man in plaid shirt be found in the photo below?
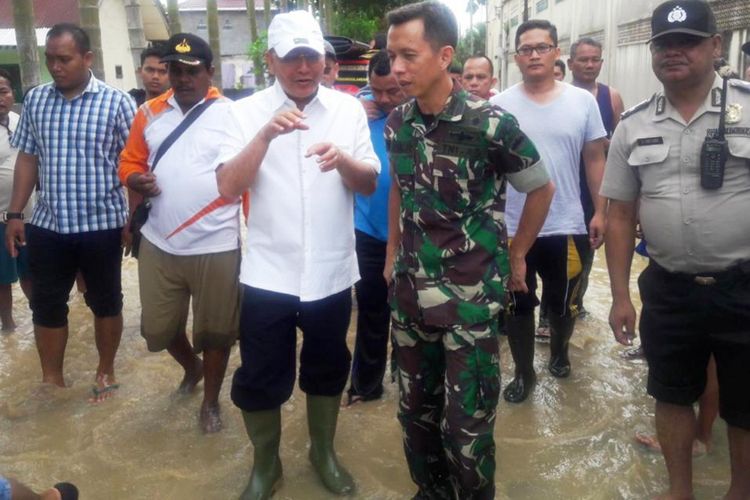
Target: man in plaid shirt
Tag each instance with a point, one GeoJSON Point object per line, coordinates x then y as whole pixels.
{"type": "Point", "coordinates": [69, 139]}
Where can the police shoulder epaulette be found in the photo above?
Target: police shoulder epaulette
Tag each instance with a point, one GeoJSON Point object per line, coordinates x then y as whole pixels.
{"type": "Point", "coordinates": [638, 107]}
{"type": "Point", "coordinates": [740, 85]}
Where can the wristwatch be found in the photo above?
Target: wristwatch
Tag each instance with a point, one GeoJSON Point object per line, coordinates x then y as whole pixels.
{"type": "Point", "coordinates": [5, 216]}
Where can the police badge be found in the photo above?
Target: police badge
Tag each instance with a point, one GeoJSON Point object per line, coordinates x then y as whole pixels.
{"type": "Point", "coordinates": [733, 113]}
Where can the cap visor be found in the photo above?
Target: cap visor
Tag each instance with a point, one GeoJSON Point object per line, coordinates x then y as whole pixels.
{"type": "Point", "coordinates": [190, 61]}
{"type": "Point", "coordinates": [282, 49]}
{"type": "Point", "coordinates": [685, 31]}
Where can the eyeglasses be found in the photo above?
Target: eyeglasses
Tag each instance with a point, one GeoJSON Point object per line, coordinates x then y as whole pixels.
{"type": "Point", "coordinates": [676, 41]}
{"type": "Point", "coordinates": [542, 48]}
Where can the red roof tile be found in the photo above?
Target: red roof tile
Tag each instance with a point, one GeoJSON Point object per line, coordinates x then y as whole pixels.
{"type": "Point", "coordinates": [46, 13]}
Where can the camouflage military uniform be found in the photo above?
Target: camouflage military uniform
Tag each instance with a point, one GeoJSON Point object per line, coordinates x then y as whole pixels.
{"type": "Point", "coordinates": [449, 284]}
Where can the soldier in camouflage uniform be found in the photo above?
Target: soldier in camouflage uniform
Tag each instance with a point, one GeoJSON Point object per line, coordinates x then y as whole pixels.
{"type": "Point", "coordinates": [450, 156]}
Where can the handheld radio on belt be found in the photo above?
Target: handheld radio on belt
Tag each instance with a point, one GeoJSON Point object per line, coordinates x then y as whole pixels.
{"type": "Point", "coordinates": [715, 150]}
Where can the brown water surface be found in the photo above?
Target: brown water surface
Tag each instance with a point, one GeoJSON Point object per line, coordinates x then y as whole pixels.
{"type": "Point", "coordinates": [572, 440]}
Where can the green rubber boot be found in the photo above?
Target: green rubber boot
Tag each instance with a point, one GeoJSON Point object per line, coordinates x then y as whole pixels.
{"type": "Point", "coordinates": [560, 330]}
{"type": "Point", "coordinates": [520, 331]}
{"type": "Point", "coordinates": [264, 430]}
{"type": "Point", "coordinates": [322, 414]}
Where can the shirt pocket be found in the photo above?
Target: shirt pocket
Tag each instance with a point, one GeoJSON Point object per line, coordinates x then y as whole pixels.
{"type": "Point", "coordinates": [739, 148]}
{"type": "Point", "coordinates": [643, 156]}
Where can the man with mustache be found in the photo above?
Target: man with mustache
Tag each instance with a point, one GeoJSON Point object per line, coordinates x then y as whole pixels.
{"type": "Point", "coordinates": [189, 251]}
{"type": "Point", "coordinates": [670, 162]}
{"type": "Point", "coordinates": [576, 141]}
{"type": "Point", "coordinates": [303, 151]}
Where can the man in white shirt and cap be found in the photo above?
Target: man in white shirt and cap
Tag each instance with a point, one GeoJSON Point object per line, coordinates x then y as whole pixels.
{"type": "Point", "coordinates": [302, 150]}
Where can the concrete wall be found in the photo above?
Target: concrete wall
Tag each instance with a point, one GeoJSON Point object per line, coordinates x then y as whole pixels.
{"type": "Point", "coordinates": [116, 45]}
{"type": "Point", "coordinates": [623, 26]}
{"type": "Point", "coordinates": [234, 26]}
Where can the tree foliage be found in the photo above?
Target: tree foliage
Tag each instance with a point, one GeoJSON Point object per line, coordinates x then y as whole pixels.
{"type": "Point", "coordinates": [479, 36]}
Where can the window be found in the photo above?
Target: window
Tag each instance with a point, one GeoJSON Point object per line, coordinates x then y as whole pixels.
{"type": "Point", "coordinates": [201, 25]}
{"type": "Point", "coordinates": [541, 5]}
{"type": "Point", "coordinates": [514, 21]}
{"type": "Point", "coordinates": [227, 24]}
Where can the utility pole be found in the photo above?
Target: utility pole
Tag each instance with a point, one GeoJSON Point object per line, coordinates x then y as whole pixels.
{"type": "Point", "coordinates": [525, 10]}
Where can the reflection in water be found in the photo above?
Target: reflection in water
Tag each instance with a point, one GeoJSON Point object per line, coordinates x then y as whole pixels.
{"type": "Point", "coordinates": [572, 439]}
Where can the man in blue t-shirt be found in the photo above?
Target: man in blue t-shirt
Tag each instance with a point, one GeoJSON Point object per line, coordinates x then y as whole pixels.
{"type": "Point", "coordinates": [371, 231]}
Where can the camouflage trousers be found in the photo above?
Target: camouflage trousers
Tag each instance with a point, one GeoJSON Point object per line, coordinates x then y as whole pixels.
{"type": "Point", "coordinates": [449, 383]}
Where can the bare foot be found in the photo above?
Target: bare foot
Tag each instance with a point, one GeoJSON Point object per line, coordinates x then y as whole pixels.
{"type": "Point", "coordinates": [210, 418]}
{"type": "Point", "coordinates": [105, 388]}
{"type": "Point", "coordinates": [650, 442]}
{"type": "Point", "coordinates": [191, 378]}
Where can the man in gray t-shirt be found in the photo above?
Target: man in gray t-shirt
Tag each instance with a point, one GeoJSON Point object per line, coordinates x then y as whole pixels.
{"type": "Point", "coordinates": [565, 125]}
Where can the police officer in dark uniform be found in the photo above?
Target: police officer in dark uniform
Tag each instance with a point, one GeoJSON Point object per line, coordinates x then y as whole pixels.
{"type": "Point", "coordinates": [683, 156]}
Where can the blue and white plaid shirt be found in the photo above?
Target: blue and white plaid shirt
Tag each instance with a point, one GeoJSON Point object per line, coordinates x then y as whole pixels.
{"type": "Point", "coordinates": [78, 143]}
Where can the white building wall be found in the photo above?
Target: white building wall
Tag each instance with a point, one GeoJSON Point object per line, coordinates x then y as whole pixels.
{"type": "Point", "coordinates": [622, 26]}
{"type": "Point", "coordinates": [116, 45]}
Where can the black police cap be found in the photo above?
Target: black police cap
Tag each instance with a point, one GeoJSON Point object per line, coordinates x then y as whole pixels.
{"type": "Point", "coordinates": [188, 49]}
{"type": "Point", "coordinates": [692, 17]}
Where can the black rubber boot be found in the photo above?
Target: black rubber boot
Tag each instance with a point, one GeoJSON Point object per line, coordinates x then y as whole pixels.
{"type": "Point", "coordinates": [264, 430]}
{"type": "Point", "coordinates": [322, 414]}
{"type": "Point", "coordinates": [521, 341]}
{"type": "Point", "coordinates": [561, 329]}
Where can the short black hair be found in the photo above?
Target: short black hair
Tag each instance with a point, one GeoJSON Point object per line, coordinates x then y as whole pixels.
{"type": "Point", "coordinates": [6, 75]}
{"type": "Point", "coordinates": [80, 37]}
{"type": "Point", "coordinates": [380, 64]}
{"type": "Point", "coordinates": [380, 40]}
{"type": "Point", "coordinates": [560, 64]}
{"type": "Point", "coordinates": [584, 41]}
{"type": "Point", "coordinates": [537, 24]}
{"type": "Point", "coordinates": [482, 56]}
{"type": "Point", "coordinates": [440, 26]}
{"type": "Point", "coordinates": [154, 51]}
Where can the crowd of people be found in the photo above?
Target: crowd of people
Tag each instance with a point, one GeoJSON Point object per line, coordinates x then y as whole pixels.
{"type": "Point", "coordinates": [438, 199]}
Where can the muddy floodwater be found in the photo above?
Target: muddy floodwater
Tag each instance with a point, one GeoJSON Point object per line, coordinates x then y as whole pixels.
{"type": "Point", "coordinates": [572, 439]}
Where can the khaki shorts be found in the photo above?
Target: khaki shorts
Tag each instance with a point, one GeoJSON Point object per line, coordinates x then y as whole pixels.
{"type": "Point", "coordinates": [167, 283]}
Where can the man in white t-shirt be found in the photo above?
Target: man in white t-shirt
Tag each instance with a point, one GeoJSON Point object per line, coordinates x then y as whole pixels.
{"type": "Point", "coordinates": [190, 243]}
{"type": "Point", "coordinates": [565, 125]}
{"type": "Point", "coordinates": [302, 150]}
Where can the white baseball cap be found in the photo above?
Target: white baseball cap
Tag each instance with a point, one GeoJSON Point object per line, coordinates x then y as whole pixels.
{"type": "Point", "coordinates": [294, 30]}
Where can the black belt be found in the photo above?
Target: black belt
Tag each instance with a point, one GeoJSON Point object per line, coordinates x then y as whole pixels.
{"type": "Point", "coordinates": [707, 278]}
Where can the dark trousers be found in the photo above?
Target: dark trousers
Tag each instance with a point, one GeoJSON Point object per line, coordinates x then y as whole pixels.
{"type": "Point", "coordinates": [373, 320]}
{"type": "Point", "coordinates": [268, 347]}
{"type": "Point", "coordinates": [54, 260]}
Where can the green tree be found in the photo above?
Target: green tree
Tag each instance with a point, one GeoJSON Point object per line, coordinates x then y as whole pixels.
{"type": "Point", "coordinates": [360, 19]}
{"type": "Point", "coordinates": [473, 42]}
{"type": "Point", "coordinates": [89, 11]}
{"type": "Point", "coordinates": [256, 56]}
{"type": "Point", "coordinates": [28, 55]}
{"type": "Point", "coordinates": [173, 13]}
{"type": "Point", "coordinates": [212, 13]}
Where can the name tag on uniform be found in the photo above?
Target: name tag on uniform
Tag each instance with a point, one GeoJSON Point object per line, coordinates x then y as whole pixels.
{"type": "Point", "coordinates": [650, 141]}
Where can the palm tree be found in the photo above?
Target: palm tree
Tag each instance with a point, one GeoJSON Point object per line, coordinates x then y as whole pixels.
{"type": "Point", "coordinates": [89, 11]}
{"type": "Point", "coordinates": [28, 55]}
{"type": "Point", "coordinates": [212, 12]}
{"type": "Point", "coordinates": [260, 80]}
{"type": "Point", "coordinates": [267, 12]}
{"type": "Point", "coordinates": [173, 12]}
{"type": "Point", "coordinates": [327, 7]}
